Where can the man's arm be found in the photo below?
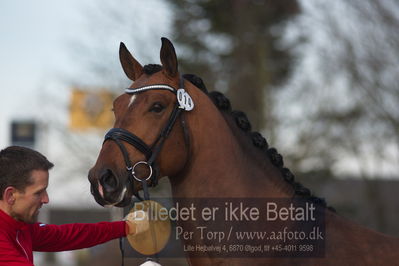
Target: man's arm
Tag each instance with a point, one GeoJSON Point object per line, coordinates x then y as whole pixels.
{"type": "Point", "coordinates": [48, 237]}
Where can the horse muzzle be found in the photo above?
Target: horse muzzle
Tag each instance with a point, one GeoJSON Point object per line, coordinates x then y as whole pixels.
{"type": "Point", "coordinates": [108, 190]}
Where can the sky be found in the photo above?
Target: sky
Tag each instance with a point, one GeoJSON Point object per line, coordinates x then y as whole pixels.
{"type": "Point", "coordinates": [36, 62]}
{"type": "Point", "coordinates": [35, 45]}
{"type": "Point", "coordinates": [33, 36]}
{"type": "Point", "coordinates": [32, 33]}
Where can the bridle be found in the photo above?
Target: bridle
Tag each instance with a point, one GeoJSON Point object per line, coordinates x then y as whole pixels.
{"type": "Point", "coordinates": [120, 135]}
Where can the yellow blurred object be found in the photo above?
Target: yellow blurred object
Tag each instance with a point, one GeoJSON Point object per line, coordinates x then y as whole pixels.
{"type": "Point", "coordinates": [154, 239]}
{"type": "Point", "coordinates": [91, 110]}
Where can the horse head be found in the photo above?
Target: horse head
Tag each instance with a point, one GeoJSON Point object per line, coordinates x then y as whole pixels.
{"type": "Point", "coordinates": [148, 138]}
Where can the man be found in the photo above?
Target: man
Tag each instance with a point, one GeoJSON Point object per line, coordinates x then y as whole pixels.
{"type": "Point", "coordinates": [23, 191]}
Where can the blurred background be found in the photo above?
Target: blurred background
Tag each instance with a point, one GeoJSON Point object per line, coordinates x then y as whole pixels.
{"type": "Point", "coordinates": [317, 78]}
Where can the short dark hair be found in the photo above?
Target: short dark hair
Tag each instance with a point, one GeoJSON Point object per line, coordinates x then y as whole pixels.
{"type": "Point", "coordinates": [16, 166]}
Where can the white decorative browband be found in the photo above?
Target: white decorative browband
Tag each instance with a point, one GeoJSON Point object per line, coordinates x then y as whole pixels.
{"type": "Point", "coordinates": [151, 87]}
{"type": "Point", "coordinates": [184, 99]}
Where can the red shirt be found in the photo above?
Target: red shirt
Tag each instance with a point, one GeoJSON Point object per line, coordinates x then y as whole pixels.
{"type": "Point", "coordinates": [18, 239]}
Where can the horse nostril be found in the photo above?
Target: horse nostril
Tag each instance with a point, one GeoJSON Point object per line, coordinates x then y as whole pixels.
{"type": "Point", "coordinates": [109, 181]}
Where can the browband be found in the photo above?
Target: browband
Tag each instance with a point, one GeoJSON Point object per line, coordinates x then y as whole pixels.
{"type": "Point", "coordinates": [151, 87]}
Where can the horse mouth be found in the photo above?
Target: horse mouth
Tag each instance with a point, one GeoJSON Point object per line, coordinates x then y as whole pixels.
{"type": "Point", "coordinates": [112, 188]}
{"type": "Point", "coordinates": [118, 199]}
{"type": "Point", "coordinates": [118, 202]}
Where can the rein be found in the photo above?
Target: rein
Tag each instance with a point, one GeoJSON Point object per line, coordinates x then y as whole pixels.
{"type": "Point", "coordinates": [120, 135]}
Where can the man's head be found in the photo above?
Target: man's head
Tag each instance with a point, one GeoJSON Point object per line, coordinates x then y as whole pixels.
{"type": "Point", "coordinates": [23, 182]}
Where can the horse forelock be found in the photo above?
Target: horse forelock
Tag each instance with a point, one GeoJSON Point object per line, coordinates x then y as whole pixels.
{"type": "Point", "coordinates": [152, 69]}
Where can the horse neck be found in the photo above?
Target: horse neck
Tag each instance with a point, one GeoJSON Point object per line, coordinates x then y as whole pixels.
{"type": "Point", "coordinates": [219, 166]}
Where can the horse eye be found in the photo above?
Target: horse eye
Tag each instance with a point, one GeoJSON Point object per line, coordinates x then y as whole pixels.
{"type": "Point", "coordinates": [157, 108]}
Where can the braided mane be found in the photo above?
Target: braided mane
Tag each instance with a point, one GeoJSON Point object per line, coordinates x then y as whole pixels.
{"type": "Point", "coordinates": [242, 122]}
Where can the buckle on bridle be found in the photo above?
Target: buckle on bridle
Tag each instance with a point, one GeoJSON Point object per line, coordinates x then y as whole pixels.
{"type": "Point", "coordinates": [134, 173]}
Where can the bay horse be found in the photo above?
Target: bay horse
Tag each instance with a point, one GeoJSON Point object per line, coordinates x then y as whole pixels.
{"type": "Point", "coordinates": [169, 125]}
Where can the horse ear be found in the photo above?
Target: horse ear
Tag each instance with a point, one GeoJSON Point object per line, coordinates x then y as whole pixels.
{"type": "Point", "coordinates": [168, 57]}
{"type": "Point", "coordinates": [132, 68]}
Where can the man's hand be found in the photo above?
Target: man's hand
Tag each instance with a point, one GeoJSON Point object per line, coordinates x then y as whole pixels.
{"type": "Point", "coordinates": [136, 222]}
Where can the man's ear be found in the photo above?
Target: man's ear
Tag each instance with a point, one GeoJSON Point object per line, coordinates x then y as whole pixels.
{"type": "Point", "coordinates": [9, 195]}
